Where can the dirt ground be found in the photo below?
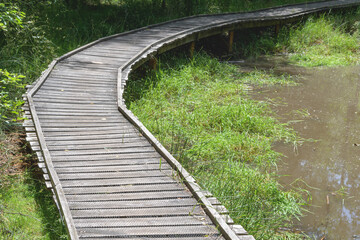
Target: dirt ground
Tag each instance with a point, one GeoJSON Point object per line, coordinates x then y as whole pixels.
{"type": "Point", "coordinates": [15, 153]}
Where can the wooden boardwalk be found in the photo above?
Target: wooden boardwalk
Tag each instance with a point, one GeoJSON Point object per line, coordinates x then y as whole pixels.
{"type": "Point", "coordinates": [110, 177]}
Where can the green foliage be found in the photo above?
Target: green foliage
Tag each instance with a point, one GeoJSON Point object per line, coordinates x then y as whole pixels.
{"type": "Point", "coordinates": [200, 111]}
{"type": "Point", "coordinates": [10, 103]}
{"type": "Point", "coordinates": [10, 17]}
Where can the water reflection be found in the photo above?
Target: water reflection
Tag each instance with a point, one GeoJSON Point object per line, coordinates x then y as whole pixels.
{"type": "Point", "coordinates": [330, 113]}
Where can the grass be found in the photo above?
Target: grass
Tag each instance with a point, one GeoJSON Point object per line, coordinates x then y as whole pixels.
{"type": "Point", "coordinates": [325, 40]}
{"type": "Point", "coordinates": [27, 210]}
{"type": "Point", "coordinates": [322, 42]}
{"type": "Point", "coordinates": [200, 110]}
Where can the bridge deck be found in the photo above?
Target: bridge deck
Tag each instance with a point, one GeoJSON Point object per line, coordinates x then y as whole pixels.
{"type": "Point", "coordinates": [110, 176]}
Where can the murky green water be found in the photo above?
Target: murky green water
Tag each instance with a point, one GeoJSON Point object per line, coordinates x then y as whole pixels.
{"type": "Point", "coordinates": [325, 107]}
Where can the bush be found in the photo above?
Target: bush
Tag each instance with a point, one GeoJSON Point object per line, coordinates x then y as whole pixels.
{"type": "Point", "coordinates": [11, 86]}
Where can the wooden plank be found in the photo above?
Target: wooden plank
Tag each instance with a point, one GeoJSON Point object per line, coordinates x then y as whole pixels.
{"type": "Point", "coordinates": [62, 118]}
{"type": "Point", "coordinates": [78, 114]}
{"type": "Point", "coordinates": [106, 157]}
{"type": "Point", "coordinates": [79, 85]}
{"type": "Point", "coordinates": [70, 90]}
{"type": "Point", "coordinates": [165, 171]}
{"type": "Point", "coordinates": [115, 169]}
{"type": "Point", "coordinates": [90, 130]}
{"type": "Point", "coordinates": [84, 69]}
{"type": "Point", "coordinates": [151, 196]}
{"type": "Point", "coordinates": [90, 125]}
{"type": "Point", "coordinates": [181, 202]}
{"type": "Point", "coordinates": [179, 237]}
{"type": "Point", "coordinates": [92, 81]}
{"type": "Point", "coordinates": [149, 232]}
{"type": "Point", "coordinates": [143, 149]}
{"type": "Point", "coordinates": [87, 147]}
{"type": "Point", "coordinates": [137, 212]}
{"type": "Point", "coordinates": [72, 96]}
{"type": "Point", "coordinates": [95, 78]}
{"type": "Point", "coordinates": [116, 182]}
{"type": "Point", "coordinates": [108, 162]}
{"type": "Point", "coordinates": [101, 59]}
{"type": "Point", "coordinates": [238, 229]}
{"type": "Point", "coordinates": [81, 122]}
{"type": "Point", "coordinates": [119, 140]}
{"type": "Point", "coordinates": [144, 222]}
{"type": "Point", "coordinates": [130, 188]}
{"type": "Point", "coordinates": [121, 137]}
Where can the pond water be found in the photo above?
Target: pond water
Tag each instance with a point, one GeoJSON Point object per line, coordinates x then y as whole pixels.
{"type": "Point", "coordinates": [324, 107]}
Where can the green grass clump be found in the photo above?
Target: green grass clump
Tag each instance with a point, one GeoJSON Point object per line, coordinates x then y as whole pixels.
{"type": "Point", "coordinates": [320, 42]}
{"type": "Point", "coordinates": [27, 210]}
{"type": "Point", "coordinates": [325, 40]}
{"type": "Point", "coordinates": [200, 111]}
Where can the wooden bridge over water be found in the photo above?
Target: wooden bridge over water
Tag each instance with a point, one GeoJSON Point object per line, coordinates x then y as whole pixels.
{"type": "Point", "coordinates": [101, 163]}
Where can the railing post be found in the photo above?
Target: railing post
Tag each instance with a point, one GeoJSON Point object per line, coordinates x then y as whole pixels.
{"type": "Point", "coordinates": [231, 41]}
{"type": "Point", "coordinates": [277, 29]}
{"type": "Point", "coordinates": [192, 48]}
{"type": "Point", "coordinates": [153, 62]}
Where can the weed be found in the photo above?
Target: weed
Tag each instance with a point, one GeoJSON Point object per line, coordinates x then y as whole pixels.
{"type": "Point", "coordinates": [27, 210]}
{"type": "Point", "coordinates": [325, 40]}
{"type": "Point", "coordinates": [200, 110]}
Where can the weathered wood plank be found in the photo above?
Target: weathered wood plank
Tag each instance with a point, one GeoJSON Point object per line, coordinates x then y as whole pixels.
{"type": "Point", "coordinates": [165, 171]}
{"type": "Point", "coordinates": [121, 137]}
{"type": "Point", "coordinates": [108, 162]}
{"type": "Point", "coordinates": [137, 212]}
{"type": "Point", "coordinates": [151, 196]}
{"type": "Point", "coordinates": [179, 237]}
{"type": "Point", "coordinates": [114, 182]}
{"type": "Point", "coordinates": [145, 222]}
{"type": "Point", "coordinates": [115, 169]}
{"type": "Point", "coordinates": [149, 232]}
{"type": "Point", "coordinates": [181, 202]}
{"type": "Point", "coordinates": [143, 149]}
{"type": "Point", "coordinates": [106, 157]}
{"type": "Point", "coordinates": [119, 140]}
{"type": "Point", "coordinates": [130, 188]}
{"type": "Point", "coordinates": [118, 145]}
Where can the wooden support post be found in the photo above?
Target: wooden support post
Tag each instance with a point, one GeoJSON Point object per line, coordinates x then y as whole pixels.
{"type": "Point", "coordinates": [231, 41]}
{"type": "Point", "coordinates": [153, 62]}
{"type": "Point", "coordinates": [192, 48]}
{"type": "Point", "coordinates": [277, 29]}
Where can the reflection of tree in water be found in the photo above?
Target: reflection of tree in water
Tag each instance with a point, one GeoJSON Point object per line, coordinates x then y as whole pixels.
{"type": "Point", "coordinates": [332, 98]}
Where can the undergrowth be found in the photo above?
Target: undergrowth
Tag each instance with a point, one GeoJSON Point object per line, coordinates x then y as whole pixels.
{"type": "Point", "coordinates": [325, 40]}
{"type": "Point", "coordinates": [200, 111]}
{"type": "Point", "coordinates": [27, 210]}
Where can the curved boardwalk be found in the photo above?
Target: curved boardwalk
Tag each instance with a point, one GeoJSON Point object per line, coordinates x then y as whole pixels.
{"type": "Point", "coordinates": [110, 177]}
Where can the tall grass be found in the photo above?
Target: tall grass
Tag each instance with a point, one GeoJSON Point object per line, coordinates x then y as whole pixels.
{"type": "Point", "coordinates": [324, 40]}
{"type": "Point", "coordinates": [199, 109]}
{"type": "Point", "coordinates": [27, 210]}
